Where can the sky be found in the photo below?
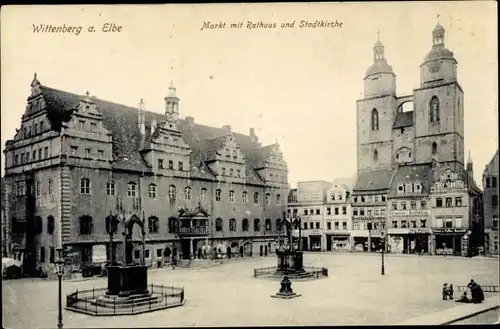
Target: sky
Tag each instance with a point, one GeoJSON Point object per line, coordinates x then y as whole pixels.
{"type": "Point", "coordinates": [297, 86]}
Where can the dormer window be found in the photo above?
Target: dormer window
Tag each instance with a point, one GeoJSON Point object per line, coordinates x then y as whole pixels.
{"type": "Point", "coordinates": [400, 188]}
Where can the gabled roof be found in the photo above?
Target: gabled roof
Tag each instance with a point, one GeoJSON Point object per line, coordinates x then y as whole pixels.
{"type": "Point", "coordinates": [373, 180]}
{"type": "Point", "coordinates": [411, 173]}
{"type": "Point", "coordinates": [122, 122]}
{"type": "Point", "coordinates": [403, 119]}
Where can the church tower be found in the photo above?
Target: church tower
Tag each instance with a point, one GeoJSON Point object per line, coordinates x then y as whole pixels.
{"type": "Point", "coordinates": [439, 115]}
{"type": "Point", "coordinates": [375, 114]}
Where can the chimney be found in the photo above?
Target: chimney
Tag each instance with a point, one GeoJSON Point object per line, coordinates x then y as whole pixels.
{"type": "Point", "coordinates": [153, 126]}
{"type": "Point", "coordinates": [190, 121]}
{"type": "Point", "coordinates": [253, 137]}
{"type": "Point", "coordinates": [226, 128]}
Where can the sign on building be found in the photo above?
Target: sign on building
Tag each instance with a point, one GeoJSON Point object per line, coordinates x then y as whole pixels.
{"type": "Point", "coordinates": [99, 253]}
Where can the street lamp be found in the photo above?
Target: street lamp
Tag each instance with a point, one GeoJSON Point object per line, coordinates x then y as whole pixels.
{"type": "Point", "coordinates": [60, 271]}
{"type": "Point", "coordinates": [469, 244]}
{"type": "Point", "coordinates": [383, 250]}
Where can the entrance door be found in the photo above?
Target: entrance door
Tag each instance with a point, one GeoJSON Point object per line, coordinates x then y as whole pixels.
{"type": "Point", "coordinates": [265, 251]}
{"type": "Point", "coordinates": [241, 251]}
{"type": "Point", "coordinates": [185, 245]}
{"type": "Point", "coordinates": [261, 252]}
{"type": "Point", "coordinates": [228, 252]}
{"type": "Point", "coordinates": [328, 243]}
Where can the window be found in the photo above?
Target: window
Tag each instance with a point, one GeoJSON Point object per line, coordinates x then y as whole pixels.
{"type": "Point", "coordinates": [82, 124]}
{"type": "Point", "coordinates": [448, 202]}
{"type": "Point", "coordinates": [329, 226]}
{"type": "Point", "coordinates": [39, 154]}
{"type": "Point", "coordinates": [51, 186]}
{"type": "Point", "coordinates": [187, 193]}
{"type": "Point", "coordinates": [311, 225]}
{"type": "Point", "coordinates": [42, 254]}
{"type": "Point", "coordinates": [374, 120]}
{"type": "Point", "coordinates": [38, 188]}
{"type": "Point", "coordinates": [172, 193]}
{"type": "Point", "coordinates": [160, 163]}
{"type": "Point", "coordinates": [159, 252]}
{"type": "Point", "coordinates": [361, 212]}
{"type": "Point", "coordinates": [336, 225]}
{"type": "Point", "coordinates": [344, 210]}
{"type": "Point", "coordinates": [84, 186]}
{"type": "Point", "coordinates": [87, 153]}
{"type": "Point", "coordinates": [458, 202]}
{"type": "Point", "coordinates": [231, 196]}
{"type": "Point", "coordinates": [238, 173]}
{"type": "Point", "coordinates": [93, 126]}
{"type": "Point", "coordinates": [413, 205]}
{"type": "Point", "coordinates": [333, 198]}
{"type": "Point", "coordinates": [256, 225]}
{"type": "Point", "coordinates": [16, 159]}
{"type": "Point", "coordinates": [52, 254]}
{"type": "Point", "coordinates": [434, 148]}
{"type": "Point", "coordinates": [355, 212]}
{"type": "Point", "coordinates": [245, 196]}
{"type": "Point", "coordinates": [305, 226]}
{"type": "Point", "coordinates": [375, 155]}
{"type": "Point", "coordinates": [487, 182]}
{"type": "Point", "coordinates": [369, 226]}
{"type": "Point", "coordinates": [217, 195]}
{"type": "Point", "coordinates": [494, 200]}
{"type": "Point", "coordinates": [137, 253]}
{"type": "Point", "coordinates": [355, 226]}
{"type": "Point", "coordinates": [223, 171]}
{"type": "Point", "coordinates": [170, 164]}
{"type": "Point", "coordinates": [256, 197]}
{"type": "Point", "coordinates": [317, 225]}
{"type": "Point", "coordinates": [403, 224]}
{"type": "Point", "coordinates": [244, 225]}
{"type": "Point", "coordinates": [305, 212]}
{"type": "Point", "coordinates": [100, 154]}
{"type": "Point", "coordinates": [439, 202]}
{"type": "Point", "coordinates": [394, 224]}
{"type": "Point", "coordinates": [434, 109]}
{"type": "Point", "coordinates": [414, 224]}
{"type": "Point", "coordinates": [152, 191]}
{"type": "Point", "coordinates": [203, 194]}
{"type": "Point", "coordinates": [318, 212]}
{"type": "Point", "coordinates": [362, 199]}
{"type": "Point", "coordinates": [110, 188]}
{"type": "Point", "coordinates": [448, 223]}
{"type": "Point", "coordinates": [131, 189]}
{"type": "Point", "coordinates": [423, 204]}
{"type": "Point", "coordinates": [403, 205]}
{"type": "Point", "coordinates": [22, 158]}
{"type": "Point", "coordinates": [153, 224]}
{"type": "Point", "coordinates": [495, 222]}
{"type": "Point", "coordinates": [50, 225]}
{"type": "Point", "coordinates": [267, 224]}
{"type": "Point", "coordinates": [231, 172]}
{"type": "Point", "coordinates": [278, 199]}
{"type": "Point", "coordinates": [232, 225]}
{"type": "Point", "coordinates": [74, 151]}
{"type": "Point", "coordinates": [383, 198]}
{"type": "Point", "coordinates": [268, 199]}
{"type": "Point", "coordinates": [394, 206]}
{"type": "Point", "coordinates": [336, 210]}
{"type": "Point", "coordinates": [423, 223]}
{"type": "Point", "coordinates": [86, 225]}
{"type": "Point", "coordinates": [328, 211]}
{"type": "Point", "coordinates": [28, 156]}
{"type": "Point", "coordinates": [493, 181]}
{"type": "Point", "coordinates": [218, 224]}
{"type": "Point", "coordinates": [181, 165]}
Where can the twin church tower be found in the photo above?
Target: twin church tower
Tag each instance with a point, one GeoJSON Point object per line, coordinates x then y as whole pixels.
{"type": "Point", "coordinates": [433, 132]}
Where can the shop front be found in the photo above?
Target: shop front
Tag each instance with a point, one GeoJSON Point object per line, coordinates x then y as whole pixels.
{"type": "Point", "coordinates": [315, 240]}
{"type": "Point", "coordinates": [360, 240]}
{"type": "Point", "coordinates": [448, 241]}
{"type": "Point", "coordinates": [376, 240]}
{"type": "Point", "coordinates": [419, 240]}
{"type": "Point", "coordinates": [338, 241]}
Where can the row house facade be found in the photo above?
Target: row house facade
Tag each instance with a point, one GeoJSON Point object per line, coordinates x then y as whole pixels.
{"type": "Point", "coordinates": [490, 185]}
{"type": "Point", "coordinates": [77, 161]}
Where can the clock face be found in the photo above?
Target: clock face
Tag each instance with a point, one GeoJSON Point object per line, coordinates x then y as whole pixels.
{"type": "Point", "coordinates": [434, 67]}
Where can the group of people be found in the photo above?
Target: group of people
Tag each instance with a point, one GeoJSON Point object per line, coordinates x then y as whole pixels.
{"type": "Point", "coordinates": [477, 295]}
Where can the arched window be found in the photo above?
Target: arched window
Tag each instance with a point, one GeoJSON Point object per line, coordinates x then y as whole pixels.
{"type": "Point", "coordinates": [110, 188]}
{"type": "Point", "coordinates": [42, 254]}
{"type": "Point", "coordinates": [219, 224]}
{"type": "Point", "coordinates": [153, 224]}
{"type": "Point", "coordinates": [268, 198]}
{"type": "Point", "coordinates": [256, 197]}
{"type": "Point", "coordinates": [232, 225]}
{"type": "Point", "coordinates": [38, 225]}
{"type": "Point", "coordinates": [256, 225]}
{"type": "Point", "coordinates": [244, 225]}
{"type": "Point", "coordinates": [173, 223]}
{"type": "Point", "coordinates": [268, 224]}
{"type": "Point", "coordinates": [152, 191]}
{"type": "Point", "coordinates": [375, 155]}
{"type": "Point", "coordinates": [434, 148]}
{"type": "Point", "coordinates": [245, 197]}
{"type": "Point", "coordinates": [374, 119]}
{"type": "Point", "coordinates": [217, 195]}
{"type": "Point", "coordinates": [187, 193]}
{"type": "Point", "coordinates": [84, 186]}
{"type": "Point", "coordinates": [231, 196]}
{"type": "Point", "coordinates": [51, 186]}
{"type": "Point", "coordinates": [278, 199]}
{"type": "Point", "coordinates": [131, 189]}
{"type": "Point", "coordinates": [172, 192]}
{"type": "Point", "coordinates": [434, 109]}
{"type": "Point", "coordinates": [50, 224]}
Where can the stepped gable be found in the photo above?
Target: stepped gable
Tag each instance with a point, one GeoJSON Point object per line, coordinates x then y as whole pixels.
{"type": "Point", "coordinates": [373, 180]}
{"type": "Point", "coordinates": [422, 172]}
{"type": "Point", "coordinates": [403, 119]}
{"type": "Point", "coordinates": [121, 121]}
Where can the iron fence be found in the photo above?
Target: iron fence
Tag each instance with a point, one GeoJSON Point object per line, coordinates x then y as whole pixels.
{"type": "Point", "coordinates": [310, 272]}
{"type": "Point", "coordinates": [485, 288]}
{"type": "Point", "coordinates": [89, 302]}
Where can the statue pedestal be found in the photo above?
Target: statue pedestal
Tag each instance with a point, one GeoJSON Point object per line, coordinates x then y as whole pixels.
{"type": "Point", "coordinates": [286, 291]}
{"type": "Point", "coordinates": [127, 280]}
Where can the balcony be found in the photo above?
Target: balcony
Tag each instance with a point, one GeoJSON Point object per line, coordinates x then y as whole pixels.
{"type": "Point", "coordinates": [193, 231]}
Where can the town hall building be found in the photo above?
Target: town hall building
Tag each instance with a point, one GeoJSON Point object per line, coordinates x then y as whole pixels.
{"type": "Point", "coordinates": [412, 182]}
{"type": "Point", "coordinates": [77, 161]}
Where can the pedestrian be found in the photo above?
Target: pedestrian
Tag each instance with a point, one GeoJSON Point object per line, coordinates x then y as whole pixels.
{"type": "Point", "coordinates": [445, 291]}
{"type": "Point", "coordinates": [450, 291]}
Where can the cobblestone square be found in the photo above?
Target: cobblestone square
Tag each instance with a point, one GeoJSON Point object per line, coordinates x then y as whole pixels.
{"type": "Point", "coordinates": [228, 295]}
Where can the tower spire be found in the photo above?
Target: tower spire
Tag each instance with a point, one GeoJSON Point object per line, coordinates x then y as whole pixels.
{"type": "Point", "coordinates": [378, 49]}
